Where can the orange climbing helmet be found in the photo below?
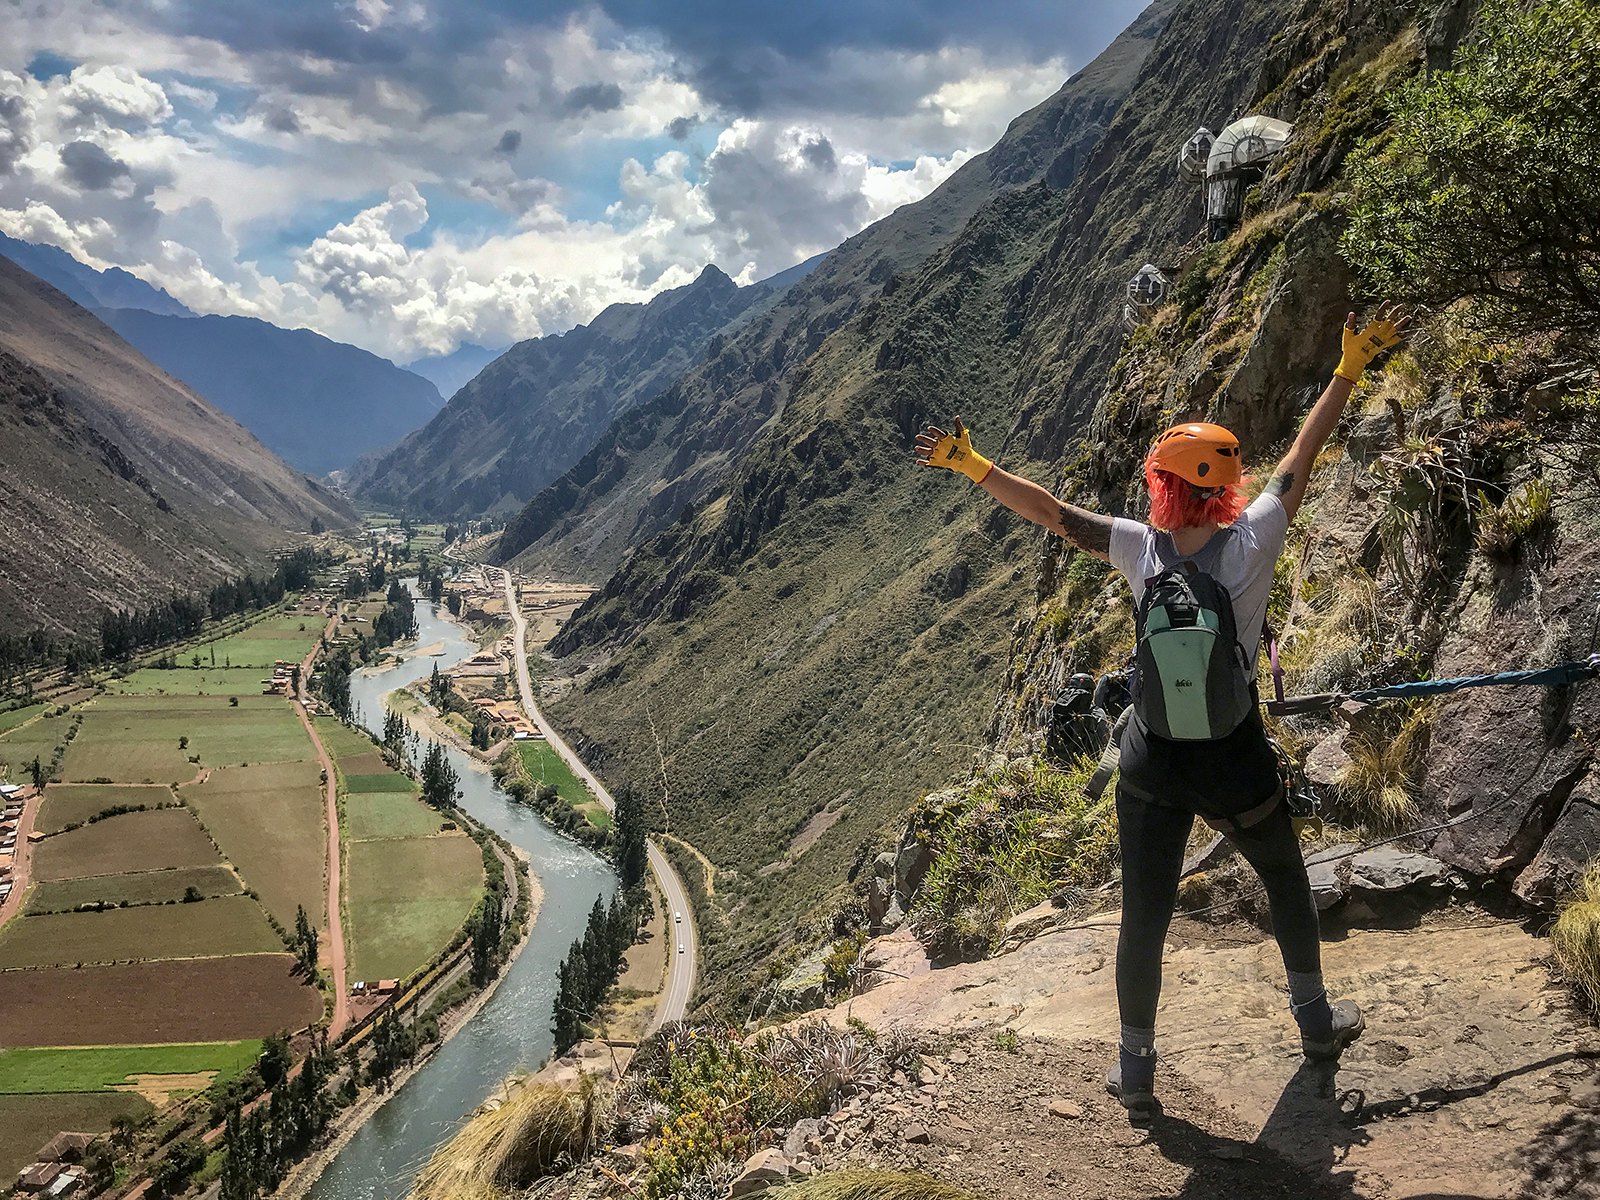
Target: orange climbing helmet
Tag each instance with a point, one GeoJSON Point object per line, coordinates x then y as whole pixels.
{"type": "Point", "coordinates": [1206, 455]}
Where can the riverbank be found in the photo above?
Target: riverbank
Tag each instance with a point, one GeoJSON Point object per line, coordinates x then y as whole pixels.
{"type": "Point", "coordinates": [303, 1177]}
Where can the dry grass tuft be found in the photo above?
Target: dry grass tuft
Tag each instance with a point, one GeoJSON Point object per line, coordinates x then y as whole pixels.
{"type": "Point", "coordinates": [1576, 936]}
{"type": "Point", "coordinates": [1376, 789]}
{"type": "Point", "coordinates": [872, 1185]}
{"type": "Point", "coordinates": [540, 1130]}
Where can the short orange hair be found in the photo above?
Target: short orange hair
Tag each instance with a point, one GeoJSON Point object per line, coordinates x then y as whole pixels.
{"type": "Point", "coordinates": [1175, 503]}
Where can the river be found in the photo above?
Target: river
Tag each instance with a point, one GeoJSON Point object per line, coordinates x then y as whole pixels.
{"type": "Point", "coordinates": [513, 1029]}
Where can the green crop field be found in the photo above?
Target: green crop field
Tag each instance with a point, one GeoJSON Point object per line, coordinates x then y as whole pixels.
{"type": "Point", "coordinates": [229, 925]}
{"type": "Point", "coordinates": [389, 781]}
{"type": "Point", "coordinates": [134, 739]}
{"type": "Point", "coordinates": [21, 746]}
{"type": "Point", "coordinates": [286, 636]}
{"type": "Point", "coordinates": [377, 815]}
{"type": "Point", "coordinates": [73, 804]}
{"type": "Point", "coordinates": [544, 765]}
{"type": "Point", "coordinates": [340, 740]}
{"type": "Point", "coordinates": [138, 841]}
{"type": "Point", "coordinates": [103, 1068]}
{"type": "Point", "coordinates": [13, 717]}
{"type": "Point", "coordinates": [406, 899]}
{"type": "Point", "coordinates": [270, 823]}
{"type": "Point", "coordinates": [138, 887]}
{"type": "Point", "coordinates": [187, 681]}
{"type": "Point", "coordinates": [31, 1121]}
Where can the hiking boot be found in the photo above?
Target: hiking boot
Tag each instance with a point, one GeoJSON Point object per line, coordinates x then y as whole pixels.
{"type": "Point", "coordinates": [1133, 1082]}
{"type": "Point", "coordinates": [1326, 1029]}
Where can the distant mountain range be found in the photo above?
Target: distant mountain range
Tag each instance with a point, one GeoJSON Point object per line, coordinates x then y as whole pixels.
{"type": "Point", "coordinates": [119, 484]}
{"type": "Point", "coordinates": [320, 404]}
{"type": "Point", "coordinates": [536, 409]}
{"type": "Point", "coordinates": [451, 372]}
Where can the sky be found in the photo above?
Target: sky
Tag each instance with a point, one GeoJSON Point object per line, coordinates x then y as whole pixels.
{"type": "Point", "coordinates": [411, 175]}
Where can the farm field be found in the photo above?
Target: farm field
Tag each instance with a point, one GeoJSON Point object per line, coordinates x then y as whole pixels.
{"type": "Point", "coordinates": [369, 763]}
{"type": "Point", "coordinates": [188, 681]}
{"type": "Point", "coordinates": [184, 1000]}
{"type": "Point", "coordinates": [31, 1121]}
{"type": "Point", "coordinates": [406, 898]}
{"type": "Point", "coordinates": [388, 781]}
{"type": "Point", "coordinates": [21, 745]}
{"type": "Point", "coordinates": [378, 815]}
{"type": "Point", "coordinates": [228, 925]}
{"type": "Point", "coordinates": [73, 804]}
{"type": "Point", "coordinates": [135, 739]}
{"type": "Point", "coordinates": [286, 636]}
{"type": "Point", "coordinates": [269, 822]}
{"type": "Point", "coordinates": [139, 887]}
{"type": "Point", "coordinates": [105, 1068]}
{"type": "Point", "coordinates": [138, 841]}
{"type": "Point", "coordinates": [544, 766]}
{"type": "Point", "coordinates": [13, 717]}
{"type": "Point", "coordinates": [341, 741]}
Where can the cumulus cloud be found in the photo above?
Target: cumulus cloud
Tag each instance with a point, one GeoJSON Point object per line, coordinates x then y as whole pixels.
{"type": "Point", "coordinates": [118, 96]}
{"type": "Point", "coordinates": [593, 97]}
{"type": "Point", "coordinates": [491, 175]}
{"type": "Point", "coordinates": [16, 122]}
{"type": "Point", "coordinates": [90, 167]}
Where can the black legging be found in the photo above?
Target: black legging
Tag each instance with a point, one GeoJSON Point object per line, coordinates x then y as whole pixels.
{"type": "Point", "coordinates": [1154, 837]}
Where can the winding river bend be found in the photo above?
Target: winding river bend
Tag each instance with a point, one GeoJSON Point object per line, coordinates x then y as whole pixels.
{"type": "Point", "coordinates": [513, 1028]}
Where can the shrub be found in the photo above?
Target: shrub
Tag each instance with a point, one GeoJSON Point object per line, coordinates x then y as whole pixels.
{"type": "Point", "coordinates": [1520, 519]}
{"type": "Point", "coordinates": [1575, 937]}
{"type": "Point", "coordinates": [1488, 180]}
{"type": "Point", "coordinates": [1026, 828]}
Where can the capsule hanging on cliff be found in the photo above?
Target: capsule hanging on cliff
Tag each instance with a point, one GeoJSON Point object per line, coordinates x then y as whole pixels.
{"type": "Point", "coordinates": [1192, 155]}
{"type": "Point", "coordinates": [1239, 156]}
{"type": "Point", "coordinates": [1148, 287]}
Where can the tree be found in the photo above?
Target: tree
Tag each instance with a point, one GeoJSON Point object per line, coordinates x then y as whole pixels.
{"type": "Point", "coordinates": [275, 1059]}
{"type": "Point", "coordinates": [37, 772]}
{"type": "Point", "coordinates": [440, 783]}
{"type": "Point", "coordinates": [305, 941]}
{"type": "Point", "coordinates": [631, 851]}
{"type": "Point", "coordinates": [1489, 181]}
{"type": "Point", "coordinates": [192, 895]}
{"type": "Point", "coordinates": [453, 603]}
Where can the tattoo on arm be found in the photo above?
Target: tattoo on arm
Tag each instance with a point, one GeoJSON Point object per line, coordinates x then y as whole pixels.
{"type": "Point", "coordinates": [1086, 530]}
{"type": "Point", "coordinates": [1280, 484]}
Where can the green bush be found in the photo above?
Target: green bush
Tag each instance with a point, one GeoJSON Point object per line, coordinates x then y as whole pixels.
{"type": "Point", "coordinates": [1487, 183]}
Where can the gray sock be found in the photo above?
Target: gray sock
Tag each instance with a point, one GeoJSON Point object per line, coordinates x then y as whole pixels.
{"type": "Point", "coordinates": [1305, 987]}
{"type": "Point", "coordinates": [1139, 1041]}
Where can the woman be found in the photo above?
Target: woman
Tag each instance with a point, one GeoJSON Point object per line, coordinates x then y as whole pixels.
{"type": "Point", "coordinates": [1199, 516]}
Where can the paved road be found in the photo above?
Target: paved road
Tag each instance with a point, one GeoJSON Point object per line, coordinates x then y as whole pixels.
{"type": "Point", "coordinates": [335, 938]}
{"type": "Point", "coordinates": [681, 967]}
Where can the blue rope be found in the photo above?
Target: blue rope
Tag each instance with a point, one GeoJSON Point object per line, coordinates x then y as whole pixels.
{"type": "Point", "coordinates": [1557, 676]}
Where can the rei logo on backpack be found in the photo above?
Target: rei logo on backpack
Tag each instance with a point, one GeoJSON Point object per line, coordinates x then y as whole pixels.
{"type": "Point", "coordinates": [1190, 682]}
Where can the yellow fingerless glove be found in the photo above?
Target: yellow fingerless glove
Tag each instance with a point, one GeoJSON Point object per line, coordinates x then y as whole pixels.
{"type": "Point", "coordinates": [954, 451]}
{"type": "Point", "coordinates": [1361, 346]}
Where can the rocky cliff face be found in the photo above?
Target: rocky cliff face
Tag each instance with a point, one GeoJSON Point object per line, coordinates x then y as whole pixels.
{"type": "Point", "coordinates": [531, 413]}
{"type": "Point", "coordinates": [682, 448]}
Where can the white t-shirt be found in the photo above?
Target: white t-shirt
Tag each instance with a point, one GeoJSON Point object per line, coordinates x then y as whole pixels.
{"type": "Point", "coordinates": [1244, 567]}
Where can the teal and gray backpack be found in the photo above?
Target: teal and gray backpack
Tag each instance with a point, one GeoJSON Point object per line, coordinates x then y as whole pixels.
{"type": "Point", "coordinates": [1190, 682]}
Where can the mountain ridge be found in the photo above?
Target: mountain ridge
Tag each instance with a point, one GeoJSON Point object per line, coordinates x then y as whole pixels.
{"type": "Point", "coordinates": [531, 412]}
{"type": "Point", "coordinates": [120, 483]}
